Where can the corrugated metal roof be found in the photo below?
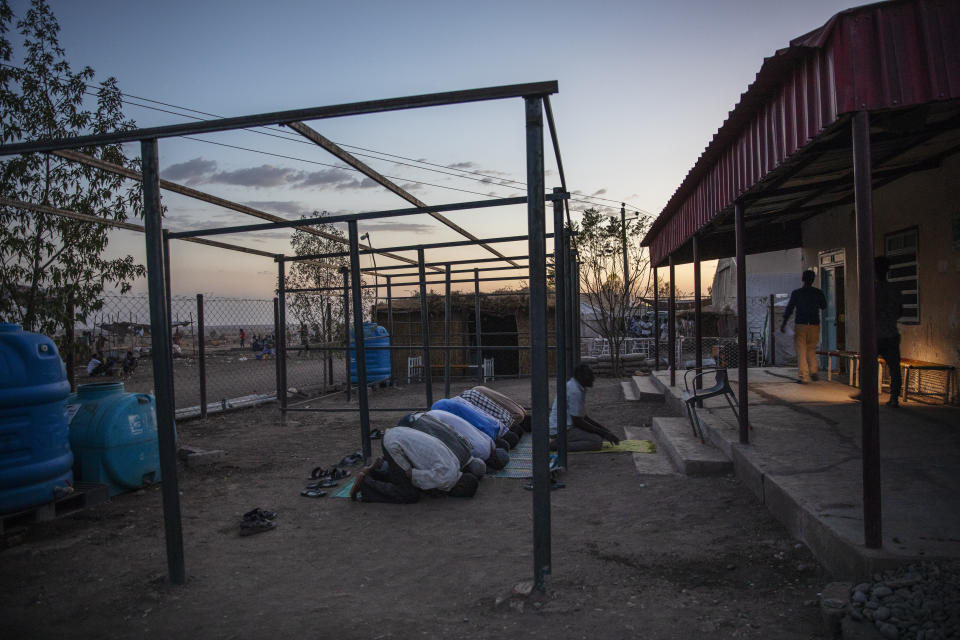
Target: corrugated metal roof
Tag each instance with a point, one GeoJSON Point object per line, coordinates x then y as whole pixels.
{"type": "Point", "coordinates": [877, 57]}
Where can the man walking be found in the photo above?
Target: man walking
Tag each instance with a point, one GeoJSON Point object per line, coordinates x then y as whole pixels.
{"type": "Point", "coordinates": [807, 301]}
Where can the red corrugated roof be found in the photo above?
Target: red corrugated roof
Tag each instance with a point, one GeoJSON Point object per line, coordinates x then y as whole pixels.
{"type": "Point", "coordinates": [875, 57]}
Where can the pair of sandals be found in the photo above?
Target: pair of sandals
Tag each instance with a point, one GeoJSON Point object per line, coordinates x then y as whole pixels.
{"type": "Point", "coordinates": [327, 478]}
{"type": "Point", "coordinates": [257, 521]}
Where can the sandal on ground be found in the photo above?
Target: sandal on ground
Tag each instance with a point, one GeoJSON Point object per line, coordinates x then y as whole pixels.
{"type": "Point", "coordinates": [339, 474]}
{"type": "Point", "coordinates": [258, 514]}
{"type": "Point", "coordinates": [554, 484]}
{"type": "Point", "coordinates": [318, 473]}
{"type": "Point", "coordinates": [313, 493]}
{"type": "Point", "coordinates": [350, 460]}
{"type": "Point", "coordinates": [327, 483]}
{"type": "Point", "coordinates": [258, 525]}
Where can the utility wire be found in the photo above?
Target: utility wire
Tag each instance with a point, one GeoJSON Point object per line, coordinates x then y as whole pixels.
{"type": "Point", "coordinates": [483, 178]}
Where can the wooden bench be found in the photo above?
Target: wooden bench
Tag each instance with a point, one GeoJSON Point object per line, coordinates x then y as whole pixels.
{"type": "Point", "coordinates": [910, 365]}
{"type": "Point", "coordinates": [907, 366]}
{"type": "Point", "coordinates": [853, 370]}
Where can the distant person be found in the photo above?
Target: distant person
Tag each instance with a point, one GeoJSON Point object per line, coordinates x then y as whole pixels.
{"type": "Point", "coordinates": [808, 301]}
{"type": "Point", "coordinates": [583, 433]}
{"type": "Point", "coordinates": [888, 309]}
{"type": "Point", "coordinates": [646, 327]}
{"type": "Point", "coordinates": [100, 365]}
{"type": "Point", "coordinates": [129, 364]}
{"type": "Point", "coordinates": [243, 338]}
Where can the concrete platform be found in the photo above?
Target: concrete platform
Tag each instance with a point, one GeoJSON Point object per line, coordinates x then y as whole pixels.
{"type": "Point", "coordinates": [688, 455]}
{"type": "Point", "coordinates": [803, 462]}
{"type": "Point", "coordinates": [641, 388]}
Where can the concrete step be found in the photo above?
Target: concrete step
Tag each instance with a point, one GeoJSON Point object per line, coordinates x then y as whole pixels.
{"type": "Point", "coordinates": [646, 390]}
{"type": "Point", "coordinates": [629, 391]}
{"type": "Point", "coordinates": [689, 456]}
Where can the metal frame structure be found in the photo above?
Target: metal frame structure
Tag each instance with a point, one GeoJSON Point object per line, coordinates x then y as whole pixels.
{"type": "Point", "coordinates": [536, 103]}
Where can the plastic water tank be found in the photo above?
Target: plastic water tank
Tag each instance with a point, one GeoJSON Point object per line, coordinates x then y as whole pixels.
{"type": "Point", "coordinates": [35, 455]}
{"type": "Point", "coordinates": [377, 360]}
{"type": "Point", "coordinates": [114, 436]}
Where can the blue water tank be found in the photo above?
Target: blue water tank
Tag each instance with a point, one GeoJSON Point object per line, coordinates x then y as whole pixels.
{"type": "Point", "coordinates": [114, 436]}
{"type": "Point", "coordinates": [377, 360]}
{"type": "Point", "coordinates": [35, 455]}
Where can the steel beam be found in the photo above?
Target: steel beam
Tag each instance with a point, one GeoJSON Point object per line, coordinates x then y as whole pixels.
{"type": "Point", "coordinates": [447, 317]}
{"type": "Point", "coordinates": [414, 247]}
{"type": "Point", "coordinates": [202, 356]}
{"type": "Point", "coordinates": [282, 332]}
{"type": "Point", "coordinates": [697, 315]}
{"type": "Point", "coordinates": [869, 398]}
{"type": "Point", "coordinates": [283, 117]}
{"type": "Point", "coordinates": [359, 340]}
{"type": "Point", "coordinates": [539, 385]}
{"type": "Point", "coordinates": [346, 325]}
{"type": "Point", "coordinates": [162, 360]}
{"type": "Point", "coordinates": [656, 321]}
{"type": "Point", "coordinates": [559, 287]}
{"type": "Point", "coordinates": [672, 324]}
{"type": "Point", "coordinates": [425, 330]}
{"type": "Point", "coordinates": [477, 325]}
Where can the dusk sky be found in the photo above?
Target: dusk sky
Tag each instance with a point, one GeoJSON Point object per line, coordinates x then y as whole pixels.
{"type": "Point", "coordinates": [643, 88]}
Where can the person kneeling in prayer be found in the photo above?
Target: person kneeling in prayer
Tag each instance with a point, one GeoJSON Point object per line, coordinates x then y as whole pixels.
{"type": "Point", "coordinates": [413, 462]}
{"type": "Point", "coordinates": [583, 432]}
{"type": "Point", "coordinates": [481, 445]}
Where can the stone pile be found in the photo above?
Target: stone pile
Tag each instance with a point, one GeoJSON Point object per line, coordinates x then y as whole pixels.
{"type": "Point", "coordinates": [921, 602]}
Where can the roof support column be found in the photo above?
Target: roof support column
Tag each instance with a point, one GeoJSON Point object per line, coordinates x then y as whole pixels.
{"type": "Point", "coordinates": [672, 324]}
{"type": "Point", "coordinates": [346, 324]}
{"type": "Point", "coordinates": [281, 344]}
{"type": "Point", "coordinates": [741, 322]}
{"type": "Point", "coordinates": [425, 329]}
{"type": "Point", "coordinates": [358, 339]}
{"type": "Point", "coordinates": [697, 316]}
{"type": "Point", "coordinates": [162, 359]}
{"type": "Point", "coordinates": [559, 287]}
{"type": "Point", "coordinates": [869, 411]}
{"type": "Point", "coordinates": [539, 385]}
{"type": "Point", "coordinates": [656, 321]}
{"type": "Point", "coordinates": [446, 334]}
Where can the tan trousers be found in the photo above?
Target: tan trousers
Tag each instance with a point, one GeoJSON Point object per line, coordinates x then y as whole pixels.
{"type": "Point", "coordinates": [805, 341]}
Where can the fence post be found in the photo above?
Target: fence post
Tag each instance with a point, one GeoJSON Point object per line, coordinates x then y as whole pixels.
{"type": "Point", "coordinates": [71, 346]}
{"type": "Point", "coordinates": [773, 332]}
{"type": "Point", "coordinates": [166, 279]}
{"type": "Point", "coordinates": [346, 324]}
{"type": "Point", "coordinates": [476, 325]}
{"type": "Point", "coordinates": [697, 316]}
{"type": "Point", "coordinates": [446, 337]}
{"type": "Point", "coordinates": [329, 371]}
{"type": "Point", "coordinates": [276, 360]}
{"type": "Point", "coordinates": [425, 328]}
{"type": "Point", "coordinates": [202, 356]}
{"type": "Point", "coordinates": [390, 326]}
{"type": "Point", "coordinates": [282, 330]}
{"type": "Point", "coordinates": [560, 281]}
{"type": "Point", "coordinates": [358, 339]}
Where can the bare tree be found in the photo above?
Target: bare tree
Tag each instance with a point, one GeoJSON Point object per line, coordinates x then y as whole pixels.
{"type": "Point", "coordinates": [614, 296]}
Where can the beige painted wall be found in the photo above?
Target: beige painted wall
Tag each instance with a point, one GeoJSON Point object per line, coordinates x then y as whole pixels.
{"type": "Point", "coordinates": [927, 200]}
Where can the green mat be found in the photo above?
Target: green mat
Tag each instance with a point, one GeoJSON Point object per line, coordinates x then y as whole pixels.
{"type": "Point", "coordinates": [626, 446]}
{"type": "Point", "coordinates": [344, 491]}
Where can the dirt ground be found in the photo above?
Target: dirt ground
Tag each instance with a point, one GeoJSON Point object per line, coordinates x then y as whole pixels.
{"type": "Point", "coordinates": [634, 555]}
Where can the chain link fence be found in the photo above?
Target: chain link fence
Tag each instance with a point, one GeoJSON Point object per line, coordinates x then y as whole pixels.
{"type": "Point", "coordinates": [237, 336]}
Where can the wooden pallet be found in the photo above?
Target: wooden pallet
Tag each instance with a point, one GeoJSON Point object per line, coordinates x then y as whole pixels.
{"type": "Point", "coordinates": [85, 494]}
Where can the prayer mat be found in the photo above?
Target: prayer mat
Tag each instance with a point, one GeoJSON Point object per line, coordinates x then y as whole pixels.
{"type": "Point", "coordinates": [521, 462]}
{"type": "Point", "coordinates": [625, 446]}
{"type": "Point", "coordinates": [344, 491]}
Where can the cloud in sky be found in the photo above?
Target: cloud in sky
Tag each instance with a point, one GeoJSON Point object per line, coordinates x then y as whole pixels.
{"type": "Point", "coordinates": [599, 192]}
{"type": "Point", "coordinates": [201, 171]}
{"type": "Point", "coordinates": [388, 224]}
{"type": "Point", "coordinates": [292, 207]}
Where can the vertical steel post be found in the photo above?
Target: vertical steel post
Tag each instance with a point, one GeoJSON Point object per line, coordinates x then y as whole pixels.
{"type": "Point", "coordinates": [773, 333]}
{"type": "Point", "coordinates": [202, 356]}
{"type": "Point", "coordinates": [282, 332]}
{"type": "Point", "coordinates": [169, 301]}
{"type": "Point", "coordinates": [539, 384]}
{"type": "Point", "coordinates": [697, 315]}
{"type": "Point", "coordinates": [280, 390]}
{"type": "Point", "coordinates": [572, 305]}
{"type": "Point", "coordinates": [446, 336]}
{"type": "Point", "coordinates": [577, 341]}
{"type": "Point", "coordinates": [346, 325]}
{"type": "Point", "coordinates": [476, 325]}
{"type": "Point", "coordinates": [162, 359]}
{"type": "Point", "coordinates": [329, 343]}
{"type": "Point", "coordinates": [656, 321]}
{"type": "Point", "coordinates": [626, 262]}
{"type": "Point", "coordinates": [425, 329]}
{"type": "Point", "coordinates": [672, 322]}
{"type": "Point", "coordinates": [869, 411]}
{"type": "Point", "coordinates": [70, 357]}
{"type": "Point", "coordinates": [358, 339]}
{"type": "Point", "coordinates": [390, 325]}
{"type": "Point", "coordinates": [740, 233]}
{"type": "Point", "coordinates": [560, 281]}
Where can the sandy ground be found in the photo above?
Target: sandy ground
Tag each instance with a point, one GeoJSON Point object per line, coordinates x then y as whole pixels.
{"type": "Point", "coordinates": [637, 553]}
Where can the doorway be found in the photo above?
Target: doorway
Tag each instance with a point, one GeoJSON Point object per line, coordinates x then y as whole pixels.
{"type": "Point", "coordinates": [833, 334]}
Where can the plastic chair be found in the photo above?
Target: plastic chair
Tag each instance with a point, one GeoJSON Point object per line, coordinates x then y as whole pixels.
{"type": "Point", "coordinates": [721, 387]}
